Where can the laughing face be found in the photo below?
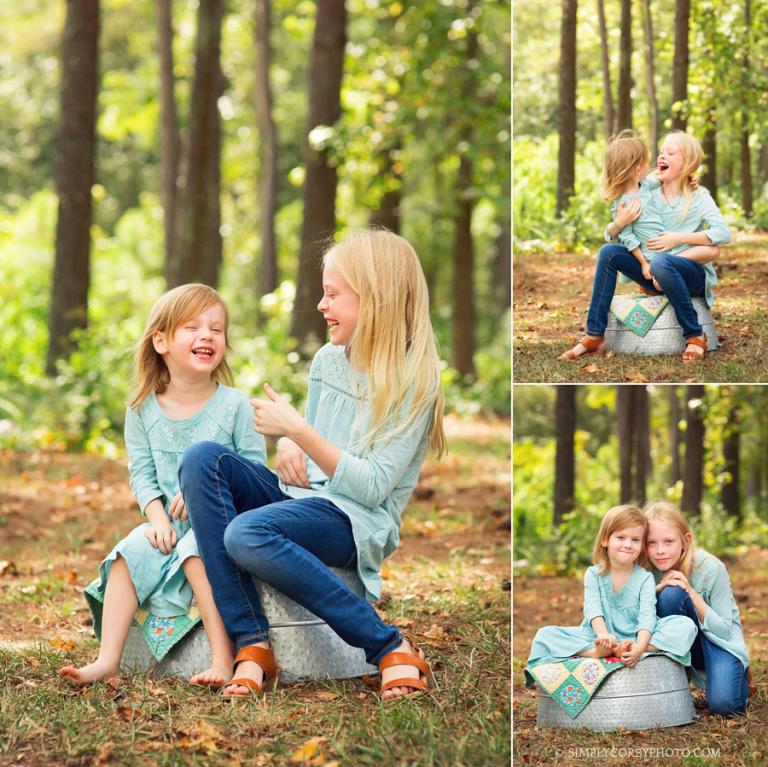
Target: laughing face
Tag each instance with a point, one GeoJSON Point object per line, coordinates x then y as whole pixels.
{"type": "Point", "coordinates": [670, 161]}
{"type": "Point", "coordinates": [197, 346]}
{"type": "Point", "coordinates": [339, 307]}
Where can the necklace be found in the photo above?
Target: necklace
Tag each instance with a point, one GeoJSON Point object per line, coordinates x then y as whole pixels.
{"type": "Point", "coordinates": [667, 198]}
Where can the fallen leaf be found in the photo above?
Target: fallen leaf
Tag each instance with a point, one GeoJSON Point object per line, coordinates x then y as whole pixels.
{"type": "Point", "coordinates": [590, 368]}
{"type": "Point", "coordinates": [8, 568]}
{"type": "Point", "coordinates": [307, 751]}
{"type": "Point", "coordinates": [65, 645]}
{"type": "Point", "coordinates": [326, 695]}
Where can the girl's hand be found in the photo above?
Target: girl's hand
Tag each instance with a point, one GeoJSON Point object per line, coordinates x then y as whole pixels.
{"type": "Point", "coordinates": [608, 641]}
{"type": "Point", "coordinates": [647, 273]}
{"type": "Point", "coordinates": [275, 417]}
{"type": "Point", "coordinates": [663, 241]}
{"type": "Point", "coordinates": [676, 578]}
{"type": "Point", "coordinates": [693, 181]}
{"type": "Point", "coordinates": [626, 214]}
{"type": "Point", "coordinates": [291, 463]}
{"type": "Point", "coordinates": [632, 656]}
{"type": "Point", "coordinates": [178, 509]}
{"type": "Point", "coordinates": [162, 536]}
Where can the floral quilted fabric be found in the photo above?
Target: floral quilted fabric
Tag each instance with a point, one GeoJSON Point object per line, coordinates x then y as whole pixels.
{"type": "Point", "coordinates": [638, 313]}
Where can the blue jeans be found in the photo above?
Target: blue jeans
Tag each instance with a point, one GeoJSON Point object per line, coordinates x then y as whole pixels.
{"type": "Point", "coordinates": [245, 525]}
{"type": "Point", "coordinates": [727, 685]}
{"type": "Point", "coordinates": [680, 280]}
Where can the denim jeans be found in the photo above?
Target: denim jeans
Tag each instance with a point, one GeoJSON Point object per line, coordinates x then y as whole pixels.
{"type": "Point", "coordinates": [680, 280]}
{"type": "Point", "coordinates": [245, 525]}
{"type": "Point", "coordinates": [727, 684]}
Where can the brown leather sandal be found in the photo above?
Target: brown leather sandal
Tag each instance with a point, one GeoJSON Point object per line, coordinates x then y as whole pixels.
{"type": "Point", "coordinates": [403, 658]}
{"type": "Point", "coordinates": [266, 659]}
{"type": "Point", "coordinates": [701, 343]}
{"type": "Point", "coordinates": [592, 344]}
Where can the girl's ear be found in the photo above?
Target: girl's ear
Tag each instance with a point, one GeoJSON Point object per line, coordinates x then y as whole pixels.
{"type": "Point", "coordinates": [158, 341]}
{"type": "Point", "coordinates": [687, 538]}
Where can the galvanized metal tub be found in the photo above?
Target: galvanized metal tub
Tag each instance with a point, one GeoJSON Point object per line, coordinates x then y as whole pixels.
{"type": "Point", "coordinates": [655, 693]}
{"type": "Point", "coordinates": [305, 646]}
{"type": "Point", "coordinates": [665, 337]}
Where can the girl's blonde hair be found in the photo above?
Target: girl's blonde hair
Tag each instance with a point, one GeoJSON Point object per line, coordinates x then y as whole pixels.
{"type": "Point", "coordinates": [664, 511]}
{"type": "Point", "coordinates": [170, 311]}
{"type": "Point", "coordinates": [393, 343]}
{"type": "Point", "coordinates": [692, 155]}
{"type": "Point", "coordinates": [615, 519]}
{"type": "Point", "coordinates": [625, 151]}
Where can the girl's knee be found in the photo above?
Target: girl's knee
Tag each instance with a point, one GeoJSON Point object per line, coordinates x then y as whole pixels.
{"type": "Point", "coordinates": [198, 457]}
{"type": "Point", "coordinates": [661, 263]}
{"type": "Point", "coordinates": [725, 702]}
{"type": "Point", "coordinates": [608, 252]}
{"type": "Point", "coordinates": [670, 600]}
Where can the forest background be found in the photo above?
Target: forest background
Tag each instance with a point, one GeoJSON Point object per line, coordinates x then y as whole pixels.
{"type": "Point", "coordinates": [157, 155]}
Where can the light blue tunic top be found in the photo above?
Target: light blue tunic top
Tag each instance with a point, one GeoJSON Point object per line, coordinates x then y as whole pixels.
{"type": "Point", "coordinates": [722, 624]}
{"type": "Point", "coordinates": [373, 487]}
{"type": "Point", "coordinates": [702, 215]}
{"type": "Point", "coordinates": [155, 445]}
{"type": "Point", "coordinates": [626, 612]}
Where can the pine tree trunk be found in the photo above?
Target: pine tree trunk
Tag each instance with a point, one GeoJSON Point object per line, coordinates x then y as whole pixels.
{"type": "Point", "coordinates": [566, 155]}
{"type": "Point", "coordinates": [625, 423]}
{"type": "Point", "coordinates": [387, 214]}
{"type": "Point", "coordinates": [650, 82]}
{"type": "Point", "coordinates": [463, 314]}
{"type": "Point", "coordinates": [709, 147]}
{"type": "Point", "coordinates": [565, 428]}
{"type": "Point", "coordinates": [268, 143]}
{"type": "Point", "coordinates": [319, 193]}
{"type": "Point", "coordinates": [605, 65]}
{"type": "Point", "coordinates": [746, 156]}
{"type": "Point", "coordinates": [198, 246]}
{"type": "Point", "coordinates": [169, 130]}
{"type": "Point", "coordinates": [675, 474]}
{"type": "Point", "coordinates": [75, 171]}
{"type": "Point", "coordinates": [693, 486]}
{"type": "Point", "coordinates": [643, 443]}
{"type": "Point", "coordinates": [680, 64]}
{"type": "Point", "coordinates": [624, 116]}
{"type": "Point", "coordinates": [729, 493]}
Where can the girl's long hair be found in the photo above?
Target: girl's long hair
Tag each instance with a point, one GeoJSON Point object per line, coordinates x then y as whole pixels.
{"type": "Point", "coordinates": [692, 155]}
{"type": "Point", "coordinates": [664, 511]}
{"type": "Point", "coordinates": [393, 343]}
{"type": "Point", "coordinates": [170, 312]}
{"type": "Point", "coordinates": [625, 151]}
{"type": "Point", "coordinates": [615, 519]}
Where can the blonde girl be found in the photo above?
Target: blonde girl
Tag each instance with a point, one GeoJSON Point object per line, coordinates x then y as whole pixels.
{"type": "Point", "coordinates": [619, 603]}
{"type": "Point", "coordinates": [681, 225]}
{"type": "Point", "coordinates": [343, 475]}
{"type": "Point", "coordinates": [694, 583]}
{"type": "Point", "coordinates": [182, 396]}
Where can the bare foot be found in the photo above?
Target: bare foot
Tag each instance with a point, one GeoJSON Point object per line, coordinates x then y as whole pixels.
{"type": "Point", "coordinates": [215, 677]}
{"type": "Point", "coordinates": [624, 646]}
{"type": "Point", "coordinates": [98, 671]}
{"type": "Point", "coordinates": [580, 350]}
{"type": "Point", "coordinates": [401, 672]}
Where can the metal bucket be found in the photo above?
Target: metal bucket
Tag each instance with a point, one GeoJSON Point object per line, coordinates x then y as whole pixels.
{"type": "Point", "coordinates": [665, 337]}
{"type": "Point", "coordinates": [305, 646]}
{"type": "Point", "coordinates": [655, 693]}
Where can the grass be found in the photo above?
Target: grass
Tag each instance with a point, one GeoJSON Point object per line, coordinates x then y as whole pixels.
{"type": "Point", "coordinates": [551, 297]}
{"type": "Point", "coordinates": [711, 740]}
{"type": "Point", "coordinates": [447, 585]}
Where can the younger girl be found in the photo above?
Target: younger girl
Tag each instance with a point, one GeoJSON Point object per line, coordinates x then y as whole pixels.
{"type": "Point", "coordinates": [693, 583]}
{"type": "Point", "coordinates": [619, 603]}
{"type": "Point", "coordinates": [677, 213]}
{"type": "Point", "coordinates": [343, 475]}
{"type": "Point", "coordinates": [180, 399]}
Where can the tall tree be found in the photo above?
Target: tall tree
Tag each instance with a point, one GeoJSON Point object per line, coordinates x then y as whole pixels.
{"type": "Point", "coordinates": [268, 143]}
{"type": "Point", "coordinates": [387, 214]}
{"type": "Point", "coordinates": [650, 82]}
{"type": "Point", "coordinates": [319, 191]}
{"type": "Point", "coordinates": [566, 153]}
{"type": "Point", "coordinates": [463, 315]}
{"type": "Point", "coordinates": [709, 147]}
{"type": "Point", "coordinates": [605, 66]}
{"type": "Point", "coordinates": [680, 64]}
{"type": "Point", "coordinates": [624, 114]}
{"type": "Point", "coordinates": [693, 484]}
{"type": "Point", "coordinates": [675, 474]}
{"type": "Point", "coordinates": [729, 493]}
{"type": "Point", "coordinates": [169, 130]}
{"type": "Point", "coordinates": [633, 425]}
{"type": "Point", "coordinates": [565, 428]}
{"type": "Point", "coordinates": [75, 149]}
{"type": "Point", "coordinates": [197, 244]}
{"type": "Point", "coordinates": [746, 157]}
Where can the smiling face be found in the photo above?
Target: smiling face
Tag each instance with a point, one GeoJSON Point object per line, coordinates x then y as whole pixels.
{"type": "Point", "coordinates": [665, 545]}
{"type": "Point", "coordinates": [197, 346]}
{"type": "Point", "coordinates": [339, 306]}
{"type": "Point", "coordinates": [670, 161]}
{"type": "Point", "coordinates": [624, 546]}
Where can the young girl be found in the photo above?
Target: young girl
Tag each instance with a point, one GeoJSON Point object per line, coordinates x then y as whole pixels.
{"type": "Point", "coordinates": [678, 270]}
{"type": "Point", "coordinates": [343, 475]}
{"type": "Point", "coordinates": [619, 603]}
{"type": "Point", "coordinates": [181, 398]}
{"type": "Point", "coordinates": [694, 583]}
